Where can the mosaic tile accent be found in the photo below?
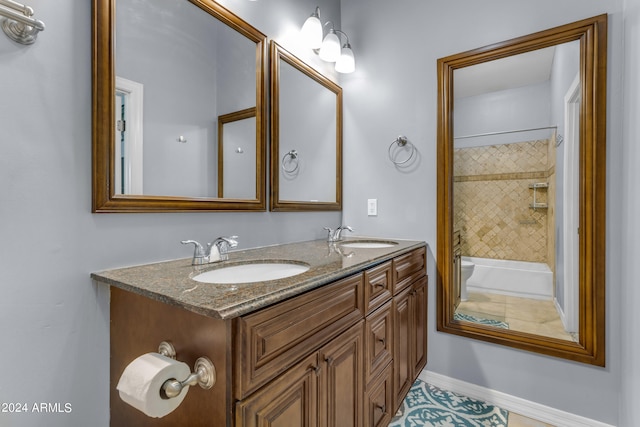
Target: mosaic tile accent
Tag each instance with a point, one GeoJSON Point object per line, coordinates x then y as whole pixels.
{"type": "Point", "coordinates": [429, 406]}
{"type": "Point", "coordinates": [492, 201]}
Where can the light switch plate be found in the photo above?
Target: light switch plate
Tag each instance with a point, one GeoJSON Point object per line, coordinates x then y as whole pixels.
{"type": "Point", "coordinates": [372, 207]}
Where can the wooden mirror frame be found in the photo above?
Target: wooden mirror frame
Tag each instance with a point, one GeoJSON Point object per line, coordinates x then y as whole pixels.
{"type": "Point", "coordinates": [592, 34]}
{"type": "Point", "coordinates": [103, 114]}
{"type": "Point", "coordinates": [278, 53]}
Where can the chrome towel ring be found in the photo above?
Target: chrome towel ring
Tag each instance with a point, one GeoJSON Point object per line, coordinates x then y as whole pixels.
{"type": "Point", "coordinates": [401, 142]}
{"type": "Point", "coordinates": [290, 162]}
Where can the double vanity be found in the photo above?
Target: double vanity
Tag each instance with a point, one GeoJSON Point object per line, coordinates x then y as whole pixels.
{"type": "Point", "coordinates": [336, 343]}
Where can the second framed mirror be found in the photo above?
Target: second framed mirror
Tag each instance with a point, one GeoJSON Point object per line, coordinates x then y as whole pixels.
{"type": "Point", "coordinates": [306, 136]}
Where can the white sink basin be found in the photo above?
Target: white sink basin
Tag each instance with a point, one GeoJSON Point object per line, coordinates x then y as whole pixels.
{"type": "Point", "coordinates": [369, 244]}
{"type": "Point", "coordinates": [247, 273]}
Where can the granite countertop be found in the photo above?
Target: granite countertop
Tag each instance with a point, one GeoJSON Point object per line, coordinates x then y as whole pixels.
{"type": "Point", "coordinates": [171, 281]}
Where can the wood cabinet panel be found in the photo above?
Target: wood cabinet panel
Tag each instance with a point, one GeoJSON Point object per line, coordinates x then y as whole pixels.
{"type": "Point", "coordinates": [273, 339]}
{"type": "Point", "coordinates": [378, 284]}
{"type": "Point", "coordinates": [379, 400]}
{"type": "Point", "coordinates": [378, 340]}
{"type": "Point", "coordinates": [402, 372]}
{"type": "Point", "coordinates": [138, 326]}
{"type": "Point", "coordinates": [341, 385]}
{"type": "Point", "coordinates": [419, 323]}
{"type": "Point", "coordinates": [289, 401]}
{"type": "Point", "coordinates": [409, 267]}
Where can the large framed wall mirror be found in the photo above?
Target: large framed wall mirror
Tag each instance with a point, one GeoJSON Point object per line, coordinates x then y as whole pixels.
{"type": "Point", "coordinates": [306, 136]}
{"type": "Point", "coordinates": [166, 75]}
{"type": "Point", "coordinates": [521, 192]}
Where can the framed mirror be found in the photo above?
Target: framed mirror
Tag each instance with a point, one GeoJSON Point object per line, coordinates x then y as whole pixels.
{"type": "Point", "coordinates": [170, 79]}
{"type": "Point", "coordinates": [306, 136]}
{"type": "Point", "coordinates": [521, 192]}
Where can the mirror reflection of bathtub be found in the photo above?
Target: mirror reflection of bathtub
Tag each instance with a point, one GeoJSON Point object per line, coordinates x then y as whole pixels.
{"type": "Point", "coordinates": [517, 295]}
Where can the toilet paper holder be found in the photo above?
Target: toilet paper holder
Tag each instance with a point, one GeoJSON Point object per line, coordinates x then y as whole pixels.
{"type": "Point", "coordinates": [204, 373]}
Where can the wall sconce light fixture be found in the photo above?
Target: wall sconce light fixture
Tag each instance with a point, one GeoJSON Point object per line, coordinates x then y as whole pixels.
{"type": "Point", "coordinates": [328, 48]}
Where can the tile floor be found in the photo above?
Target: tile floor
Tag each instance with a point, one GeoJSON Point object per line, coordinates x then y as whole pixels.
{"type": "Point", "coordinates": [522, 314]}
{"type": "Point", "coordinates": [516, 420]}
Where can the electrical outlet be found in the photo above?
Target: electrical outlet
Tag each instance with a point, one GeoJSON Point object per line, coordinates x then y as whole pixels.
{"type": "Point", "coordinates": [372, 207]}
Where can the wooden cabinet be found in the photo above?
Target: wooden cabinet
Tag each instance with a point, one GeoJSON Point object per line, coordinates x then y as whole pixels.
{"type": "Point", "coordinates": [342, 355]}
{"type": "Point", "coordinates": [410, 326]}
{"type": "Point", "coordinates": [324, 390]}
{"type": "Point", "coordinates": [290, 401]}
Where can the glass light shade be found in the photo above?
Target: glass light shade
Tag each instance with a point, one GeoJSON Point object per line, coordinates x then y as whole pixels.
{"type": "Point", "coordinates": [330, 49]}
{"type": "Point", "coordinates": [346, 63]}
{"type": "Point", "coordinates": [311, 32]}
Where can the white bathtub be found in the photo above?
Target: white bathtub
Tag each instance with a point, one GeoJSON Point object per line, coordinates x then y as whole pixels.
{"type": "Point", "coordinates": [515, 278]}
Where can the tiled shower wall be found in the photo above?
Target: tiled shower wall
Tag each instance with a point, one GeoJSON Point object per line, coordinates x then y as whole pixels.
{"type": "Point", "coordinates": [492, 201]}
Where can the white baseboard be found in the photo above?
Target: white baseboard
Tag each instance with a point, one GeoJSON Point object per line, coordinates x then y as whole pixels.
{"type": "Point", "coordinates": [518, 405]}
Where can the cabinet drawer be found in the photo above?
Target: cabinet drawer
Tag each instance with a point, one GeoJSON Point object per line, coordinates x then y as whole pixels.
{"type": "Point", "coordinates": [378, 400]}
{"type": "Point", "coordinates": [378, 341]}
{"type": "Point", "coordinates": [273, 339]}
{"type": "Point", "coordinates": [409, 267]}
{"type": "Point", "coordinates": [377, 286]}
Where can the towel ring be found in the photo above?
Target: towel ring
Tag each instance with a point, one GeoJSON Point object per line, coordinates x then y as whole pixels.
{"type": "Point", "coordinates": [293, 159]}
{"type": "Point", "coordinates": [401, 141]}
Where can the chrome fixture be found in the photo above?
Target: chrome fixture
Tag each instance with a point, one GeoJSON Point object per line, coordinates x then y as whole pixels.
{"type": "Point", "coordinates": [204, 373]}
{"type": "Point", "coordinates": [215, 251]}
{"type": "Point", "coordinates": [328, 48]}
{"type": "Point", "coordinates": [290, 162]}
{"type": "Point", "coordinates": [18, 23]}
{"type": "Point", "coordinates": [335, 235]}
{"type": "Point", "coordinates": [401, 142]}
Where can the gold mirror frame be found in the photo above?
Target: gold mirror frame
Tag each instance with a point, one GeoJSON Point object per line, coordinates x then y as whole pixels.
{"type": "Point", "coordinates": [590, 348]}
{"type": "Point", "coordinates": [277, 54]}
{"type": "Point", "coordinates": [103, 77]}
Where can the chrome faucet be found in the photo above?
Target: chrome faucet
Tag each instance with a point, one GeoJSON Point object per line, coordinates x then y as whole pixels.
{"type": "Point", "coordinates": [215, 251]}
{"type": "Point", "coordinates": [335, 235]}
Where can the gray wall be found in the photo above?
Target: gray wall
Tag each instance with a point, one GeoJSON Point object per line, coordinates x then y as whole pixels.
{"type": "Point", "coordinates": [54, 321]}
{"type": "Point", "coordinates": [392, 92]}
{"type": "Point", "coordinates": [627, 213]}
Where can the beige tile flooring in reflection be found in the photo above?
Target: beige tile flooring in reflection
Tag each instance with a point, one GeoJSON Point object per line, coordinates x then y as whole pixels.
{"type": "Point", "coordinates": [516, 420]}
{"type": "Point", "coordinates": [522, 314]}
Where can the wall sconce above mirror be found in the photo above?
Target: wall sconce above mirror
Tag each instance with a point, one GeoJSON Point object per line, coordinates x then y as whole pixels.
{"type": "Point", "coordinates": [521, 213]}
{"type": "Point", "coordinates": [173, 80]}
{"type": "Point", "coordinates": [306, 136]}
{"type": "Point", "coordinates": [329, 47]}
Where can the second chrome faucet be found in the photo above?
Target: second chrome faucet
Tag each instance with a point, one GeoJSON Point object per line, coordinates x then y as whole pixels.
{"type": "Point", "coordinates": [335, 235]}
{"type": "Point", "coordinates": [215, 251]}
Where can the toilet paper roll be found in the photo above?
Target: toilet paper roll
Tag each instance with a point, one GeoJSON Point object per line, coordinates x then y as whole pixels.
{"type": "Point", "coordinates": [141, 383]}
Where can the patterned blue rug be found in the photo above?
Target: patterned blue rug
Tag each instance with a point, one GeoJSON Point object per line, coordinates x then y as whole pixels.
{"type": "Point", "coordinates": [481, 321]}
{"type": "Point", "coordinates": [429, 406]}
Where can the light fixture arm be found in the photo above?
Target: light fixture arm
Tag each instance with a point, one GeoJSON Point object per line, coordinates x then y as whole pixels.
{"type": "Point", "coordinates": [346, 36]}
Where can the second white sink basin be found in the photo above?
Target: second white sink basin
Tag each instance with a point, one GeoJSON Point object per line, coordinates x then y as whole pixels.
{"type": "Point", "coordinates": [254, 272]}
{"type": "Point", "coordinates": [369, 244]}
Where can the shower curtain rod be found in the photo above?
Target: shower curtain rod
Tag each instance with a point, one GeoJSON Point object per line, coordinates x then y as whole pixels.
{"type": "Point", "coordinates": [503, 132]}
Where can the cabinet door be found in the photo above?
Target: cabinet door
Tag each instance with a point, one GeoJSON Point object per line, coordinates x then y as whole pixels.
{"type": "Point", "coordinates": [289, 401]}
{"type": "Point", "coordinates": [378, 341]}
{"type": "Point", "coordinates": [341, 382]}
{"type": "Point", "coordinates": [378, 400]}
{"type": "Point", "coordinates": [419, 325]}
{"type": "Point", "coordinates": [402, 322]}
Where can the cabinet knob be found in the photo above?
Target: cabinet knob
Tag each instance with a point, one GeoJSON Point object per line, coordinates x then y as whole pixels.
{"type": "Point", "coordinates": [382, 340]}
{"type": "Point", "coordinates": [383, 408]}
{"type": "Point", "coordinates": [378, 285]}
{"type": "Point", "coordinates": [329, 360]}
{"type": "Point", "coordinates": [317, 369]}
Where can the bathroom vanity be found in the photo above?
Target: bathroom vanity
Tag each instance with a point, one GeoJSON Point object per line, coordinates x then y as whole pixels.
{"type": "Point", "coordinates": [337, 345]}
